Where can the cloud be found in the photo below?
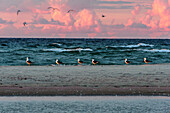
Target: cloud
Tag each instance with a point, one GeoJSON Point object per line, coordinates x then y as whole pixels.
{"type": "Point", "coordinates": [5, 21]}
{"type": "Point", "coordinates": [113, 2]}
{"type": "Point", "coordinates": [138, 25]}
{"type": "Point", "coordinates": [159, 16]}
{"type": "Point", "coordinates": [161, 8]}
{"type": "Point", "coordinates": [86, 20]}
{"type": "Point", "coordinates": [136, 10]}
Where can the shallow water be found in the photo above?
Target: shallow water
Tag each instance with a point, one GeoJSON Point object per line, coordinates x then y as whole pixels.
{"type": "Point", "coordinates": [85, 104]}
{"type": "Point", "coordinates": [13, 52]}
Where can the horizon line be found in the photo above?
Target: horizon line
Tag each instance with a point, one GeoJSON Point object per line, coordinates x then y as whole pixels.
{"type": "Point", "coordinates": [84, 37]}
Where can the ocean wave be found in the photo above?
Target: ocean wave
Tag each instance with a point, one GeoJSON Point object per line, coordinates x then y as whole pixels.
{"type": "Point", "coordinates": [158, 50]}
{"type": "Point", "coordinates": [55, 44]}
{"type": "Point", "coordinates": [4, 51]}
{"type": "Point", "coordinates": [68, 50]}
{"type": "Point", "coordinates": [131, 46]}
{"type": "Point", "coordinates": [154, 50]}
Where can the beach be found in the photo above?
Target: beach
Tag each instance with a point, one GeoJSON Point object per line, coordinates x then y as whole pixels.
{"type": "Point", "coordinates": [149, 79]}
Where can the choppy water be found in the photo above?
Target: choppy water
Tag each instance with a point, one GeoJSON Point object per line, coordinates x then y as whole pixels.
{"type": "Point", "coordinates": [87, 104]}
{"type": "Point", "coordinates": [109, 51]}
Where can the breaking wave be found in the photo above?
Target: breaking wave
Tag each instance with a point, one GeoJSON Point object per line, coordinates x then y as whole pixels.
{"type": "Point", "coordinates": [132, 46]}
{"type": "Point", "coordinates": [68, 50]}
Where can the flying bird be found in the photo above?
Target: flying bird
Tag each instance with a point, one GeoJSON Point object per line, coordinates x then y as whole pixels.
{"type": "Point", "coordinates": [127, 62]}
{"type": "Point", "coordinates": [146, 61]}
{"type": "Point", "coordinates": [103, 15]}
{"type": "Point", "coordinates": [24, 23]}
{"type": "Point", "coordinates": [53, 8]}
{"type": "Point", "coordinates": [18, 11]}
{"type": "Point", "coordinates": [94, 62]}
{"type": "Point", "coordinates": [70, 10]}
{"type": "Point", "coordinates": [79, 61]}
{"type": "Point", "coordinates": [28, 61]}
{"type": "Point", "coordinates": [58, 62]}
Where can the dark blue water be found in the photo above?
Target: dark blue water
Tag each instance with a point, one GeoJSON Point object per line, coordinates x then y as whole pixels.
{"type": "Point", "coordinates": [104, 104]}
{"type": "Point", "coordinates": [13, 52]}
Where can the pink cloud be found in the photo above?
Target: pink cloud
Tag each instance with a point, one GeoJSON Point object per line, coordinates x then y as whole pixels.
{"type": "Point", "coordinates": [86, 19]}
{"type": "Point", "coordinates": [136, 10]}
{"type": "Point", "coordinates": [159, 16]}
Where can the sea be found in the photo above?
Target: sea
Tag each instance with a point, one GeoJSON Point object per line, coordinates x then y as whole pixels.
{"type": "Point", "coordinates": [86, 104]}
{"type": "Point", "coordinates": [45, 51]}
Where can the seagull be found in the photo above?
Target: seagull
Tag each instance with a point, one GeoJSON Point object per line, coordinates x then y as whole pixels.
{"type": "Point", "coordinates": [103, 15]}
{"type": "Point", "coordinates": [94, 62]}
{"type": "Point", "coordinates": [18, 11]}
{"type": "Point", "coordinates": [53, 8]}
{"type": "Point", "coordinates": [79, 61]}
{"type": "Point", "coordinates": [146, 61]}
{"type": "Point", "coordinates": [24, 23]}
{"type": "Point", "coordinates": [70, 10]}
{"type": "Point", "coordinates": [28, 61]}
{"type": "Point", "coordinates": [58, 62]}
{"type": "Point", "coordinates": [127, 62]}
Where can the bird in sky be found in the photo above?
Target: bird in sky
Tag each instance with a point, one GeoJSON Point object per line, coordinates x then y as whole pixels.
{"type": "Point", "coordinates": [18, 11]}
{"type": "Point", "coordinates": [24, 23]}
{"type": "Point", "coordinates": [70, 10]}
{"type": "Point", "coordinates": [53, 8]}
{"type": "Point", "coordinates": [103, 15]}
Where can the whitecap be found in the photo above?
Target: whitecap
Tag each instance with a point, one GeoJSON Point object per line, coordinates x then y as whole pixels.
{"type": "Point", "coordinates": [4, 51]}
{"type": "Point", "coordinates": [132, 46]}
{"type": "Point", "coordinates": [68, 50]}
{"type": "Point", "coordinates": [158, 50]}
{"type": "Point", "coordinates": [143, 44]}
{"type": "Point", "coordinates": [56, 44]}
{"type": "Point", "coordinates": [154, 50]}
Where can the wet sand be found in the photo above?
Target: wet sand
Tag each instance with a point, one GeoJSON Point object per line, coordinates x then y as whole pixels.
{"type": "Point", "coordinates": [85, 80]}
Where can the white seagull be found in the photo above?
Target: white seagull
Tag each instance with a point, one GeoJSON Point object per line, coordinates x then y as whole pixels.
{"type": "Point", "coordinates": [70, 10]}
{"type": "Point", "coordinates": [58, 62]}
{"type": "Point", "coordinates": [79, 61]}
{"type": "Point", "coordinates": [53, 8]}
{"type": "Point", "coordinates": [127, 62]}
{"type": "Point", "coordinates": [146, 61]}
{"type": "Point", "coordinates": [18, 11]}
{"type": "Point", "coordinates": [94, 62]}
{"type": "Point", "coordinates": [28, 61]}
{"type": "Point", "coordinates": [24, 23]}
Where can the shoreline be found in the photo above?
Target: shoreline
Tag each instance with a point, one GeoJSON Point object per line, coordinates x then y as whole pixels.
{"type": "Point", "coordinates": [82, 91]}
{"type": "Point", "coordinates": [98, 80]}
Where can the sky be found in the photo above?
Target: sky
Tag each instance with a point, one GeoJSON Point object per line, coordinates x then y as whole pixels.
{"type": "Point", "coordinates": [123, 18]}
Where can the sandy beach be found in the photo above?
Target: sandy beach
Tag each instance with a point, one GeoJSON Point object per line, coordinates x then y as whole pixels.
{"type": "Point", "coordinates": [85, 80]}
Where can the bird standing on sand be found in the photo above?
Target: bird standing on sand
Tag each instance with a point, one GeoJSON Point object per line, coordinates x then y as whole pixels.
{"type": "Point", "coordinates": [94, 62]}
{"type": "Point", "coordinates": [146, 61]}
{"type": "Point", "coordinates": [28, 61]}
{"type": "Point", "coordinates": [18, 11]}
{"type": "Point", "coordinates": [127, 62]}
{"type": "Point", "coordinates": [79, 61]}
{"type": "Point", "coordinates": [58, 62]}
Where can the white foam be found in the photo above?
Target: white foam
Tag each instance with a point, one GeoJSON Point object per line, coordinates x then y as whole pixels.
{"type": "Point", "coordinates": [133, 46]}
{"type": "Point", "coordinates": [143, 44]}
{"type": "Point", "coordinates": [154, 50]}
{"type": "Point", "coordinates": [158, 50]}
{"type": "Point", "coordinates": [67, 50]}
